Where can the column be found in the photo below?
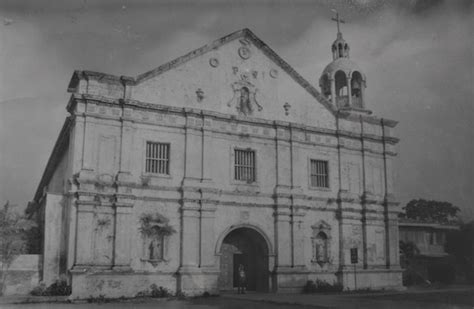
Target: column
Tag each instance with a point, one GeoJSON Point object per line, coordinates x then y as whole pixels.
{"type": "Point", "coordinates": [333, 90]}
{"type": "Point", "coordinates": [362, 93]}
{"type": "Point", "coordinates": [364, 195]}
{"type": "Point", "coordinates": [349, 90]}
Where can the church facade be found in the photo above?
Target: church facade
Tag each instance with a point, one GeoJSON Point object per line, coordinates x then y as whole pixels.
{"type": "Point", "coordinates": [223, 157]}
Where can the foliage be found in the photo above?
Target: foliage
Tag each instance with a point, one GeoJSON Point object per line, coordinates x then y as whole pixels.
{"type": "Point", "coordinates": [159, 292]}
{"type": "Point", "coordinates": [39, 290]}
{"type": "Point", "coordinates": [34, 237]}
{"type": "Point", "coordinates": [321, 287]}
{"type": "Point", "coordinates": [430, 211]}
{"type": "Point", "coordinates": [155, 226]}
{"type": "Point", "coordinates": [180, 295]}
{"type": "Point", "coordinates": [101, 299]}
{"type": "Point", "coordinates": [12, 239]}
{"type": "Point", "coordinates": [155, 292]}
{"type": "Point", "coordinates": [408, 250]}
{"type": "Point", "coordinates": [58, 288]}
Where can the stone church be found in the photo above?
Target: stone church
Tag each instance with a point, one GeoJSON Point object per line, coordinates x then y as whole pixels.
{"type": "Point", "coordinates": [223, 157]}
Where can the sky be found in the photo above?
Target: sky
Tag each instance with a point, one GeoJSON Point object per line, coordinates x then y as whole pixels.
{"type": "Point", "coordinates": [417, 55]}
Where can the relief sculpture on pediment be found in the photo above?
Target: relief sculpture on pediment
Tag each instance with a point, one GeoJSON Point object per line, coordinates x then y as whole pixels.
{"type": "Point", "coordinates": [244, 98]}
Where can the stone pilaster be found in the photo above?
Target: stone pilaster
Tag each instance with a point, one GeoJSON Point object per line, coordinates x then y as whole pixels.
{"type": "Point", "coordinates": [299, 239]}
{"type": "Point", "coordinates": [193, 149]}
{"type": "Point", "coordinates": [127, 132]}
{"type": "Point", "coordinates": [123, 223]}
{"type": "Point", "coordinates": [208, 159]}
{"type": "Point", "coordinates": [84, 233]}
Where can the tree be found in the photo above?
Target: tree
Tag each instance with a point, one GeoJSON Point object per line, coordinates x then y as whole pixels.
{"type": "Point", "coordinates": [12, 241]}
{"type": "Point", "coordinates": [430, 211]}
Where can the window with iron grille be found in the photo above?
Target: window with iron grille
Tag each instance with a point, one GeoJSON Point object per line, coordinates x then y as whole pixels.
{"type": "Point", "coordinates": [157, 158]}
{"type": "Point", "coordinates": [319, 174]}
{"type": "Point", "coordinates": [244, 165]}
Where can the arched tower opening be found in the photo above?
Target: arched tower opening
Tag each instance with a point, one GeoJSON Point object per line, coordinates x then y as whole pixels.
{"type": "Point", "coordinates": [342, 91]}
{"type": "Point", "coordinates": [357, 87]}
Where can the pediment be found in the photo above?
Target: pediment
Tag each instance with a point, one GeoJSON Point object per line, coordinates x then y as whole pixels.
{"type": "Point", "coordinates": [237, 75]}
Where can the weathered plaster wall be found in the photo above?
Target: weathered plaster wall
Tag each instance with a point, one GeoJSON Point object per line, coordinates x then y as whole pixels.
{"type": "Point", "coordinates": [57, 184]}
{"type": "Point", "coordinates": [53, 231]}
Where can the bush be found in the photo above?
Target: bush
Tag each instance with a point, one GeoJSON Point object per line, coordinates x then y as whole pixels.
{"type": "Point", "coordinates": [101, 299]}
{"type": "Point", "coordinates": [159, 292]}
{"type": "Point", "coordinates": [321, 286]}
{"type": "Point", "coordinates": [58, 288]}
{"type": "Point", "coordinates": [180, 295]}
{"type": "Point", "coordinates": [155, 292]}
{"type": "Point", "coordinates": [38, 290]}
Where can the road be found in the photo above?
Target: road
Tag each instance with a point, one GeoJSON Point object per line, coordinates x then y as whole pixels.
{"type": "Point", "coordinates": [432, 300]}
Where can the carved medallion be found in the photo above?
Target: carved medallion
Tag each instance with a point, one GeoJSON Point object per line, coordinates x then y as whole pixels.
{"type": "Point", "coordinates": [274, 73]}
{"type": "Point", "coordinates": [213, 62]}
{"type": "Point", "coordinates": [244, 52]}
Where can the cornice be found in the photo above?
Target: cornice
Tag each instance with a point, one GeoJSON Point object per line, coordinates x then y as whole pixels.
{"type": "Point", "coordinates": [101, 100]}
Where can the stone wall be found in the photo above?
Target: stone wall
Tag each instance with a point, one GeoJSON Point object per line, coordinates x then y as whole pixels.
{"type": "Point", "coordinates": [23, 274]}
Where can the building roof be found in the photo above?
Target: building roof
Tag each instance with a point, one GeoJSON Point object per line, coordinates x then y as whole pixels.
{"type": "Point", "coordinates": [423, 224]}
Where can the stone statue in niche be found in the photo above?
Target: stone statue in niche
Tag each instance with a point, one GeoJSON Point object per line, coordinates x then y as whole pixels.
{"type": "Point", "coordinates": [321, 242]}
{"type": "Point", "coordinates": [155, 249]}
{"type": "Point", "coordinates": [244, 97]}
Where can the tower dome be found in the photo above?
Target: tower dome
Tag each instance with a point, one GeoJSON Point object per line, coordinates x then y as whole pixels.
{"type": "Point", "coordinates": [342, 81]}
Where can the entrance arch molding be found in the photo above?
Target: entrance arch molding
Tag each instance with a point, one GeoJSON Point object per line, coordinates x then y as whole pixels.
{"type": "Point", "coordinates": [257, 229]}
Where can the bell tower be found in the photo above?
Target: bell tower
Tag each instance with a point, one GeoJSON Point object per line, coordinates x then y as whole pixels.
{"type": "Point", "coordinates": [342, 81]}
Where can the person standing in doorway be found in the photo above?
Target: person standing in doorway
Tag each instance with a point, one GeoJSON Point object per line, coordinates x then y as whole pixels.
{"type": "Point", "coordinates": [242, 280]}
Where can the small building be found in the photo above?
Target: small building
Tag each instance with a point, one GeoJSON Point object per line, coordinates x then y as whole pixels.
{"type": "Point", "coordinates": [224, 156]}
{"type": "Point", "coordinates": [429, 238]}
{"type": "Point", "coordinates": [430, 259]}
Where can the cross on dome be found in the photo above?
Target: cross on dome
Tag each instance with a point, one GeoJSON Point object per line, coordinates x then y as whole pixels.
{"type": "Point", "coordinates": [338, 20]}
{"type": "Point", "coordinates": [340, 49]}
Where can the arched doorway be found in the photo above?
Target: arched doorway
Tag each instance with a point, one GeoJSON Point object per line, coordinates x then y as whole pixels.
{"type": "Point", "coordinates": [248, 247]}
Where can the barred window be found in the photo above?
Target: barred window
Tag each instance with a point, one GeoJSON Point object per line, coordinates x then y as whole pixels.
{"type": "Point", "coordinates": [157, 158]}
{"type": "Point", "coordinates": [319, 174]}
{"type": "Point", "coordinates": [244, 165]}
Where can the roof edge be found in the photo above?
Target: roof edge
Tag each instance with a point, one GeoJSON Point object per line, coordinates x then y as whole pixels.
{"type": "Point", "coordinates": [58, 151]}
